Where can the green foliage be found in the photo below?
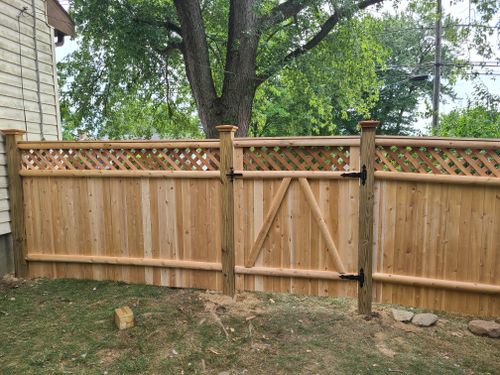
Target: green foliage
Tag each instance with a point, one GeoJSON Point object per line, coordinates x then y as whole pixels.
{"type": "Point", "coordinates": [409, 37]}
{"type": "Point", "coordinates": [337, 76]}
{"type": "Point", "coordinates": [481, 119]}
{"type": "Point", "coordinates": [476, 122]}
{"type": "Point", "coordinates": [127, 79]}
{"type": "Point", "coordinates": [123, 81]}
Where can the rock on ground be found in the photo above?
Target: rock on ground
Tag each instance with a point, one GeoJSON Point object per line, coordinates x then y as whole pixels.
{"type": "Point", "coordinates": [402, 315]}
{"type": "Point", "coordinates": [425, 319]}
{"type": "Point", "coordinates": [484, 328]}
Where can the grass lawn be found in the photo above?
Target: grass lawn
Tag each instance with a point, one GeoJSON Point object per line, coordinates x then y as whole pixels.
{"type": "Point", "coordinates": [66, 327]}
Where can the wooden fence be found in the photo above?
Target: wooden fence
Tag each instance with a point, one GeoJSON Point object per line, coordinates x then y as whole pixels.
{"type": "Point", "coordinates": [278, 208]}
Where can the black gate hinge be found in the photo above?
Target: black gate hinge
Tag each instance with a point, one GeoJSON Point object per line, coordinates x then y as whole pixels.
{"type": "Point", "coordinates": [361, 175]}
{"type": "Point", "coordinates": [232, 175]}
{"type": "Point", "coordinates": [360, 277]}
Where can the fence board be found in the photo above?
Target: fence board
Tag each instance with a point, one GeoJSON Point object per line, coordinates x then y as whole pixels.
{"type": "Point", "coordinates": [113, 217]}
{"type": "Point", "coordinates": [440, 232]}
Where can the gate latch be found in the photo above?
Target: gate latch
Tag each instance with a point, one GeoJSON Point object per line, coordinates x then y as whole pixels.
{"type": "Point", "coordinates": [232, 175]}
{"type": "Point", "coordinates": [360, 277]}
{"type": "Point", "coordinates": [361, 175]}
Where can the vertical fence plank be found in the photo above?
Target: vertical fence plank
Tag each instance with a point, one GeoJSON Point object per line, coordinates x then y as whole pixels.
{"type": "Point", "coordinates": [16, 200]}
{"type": "Point", "coordinates": [366, 199]}
{"type": "Point", "coordinates": [239, 218]}
{"type": "Point", "coordinates": [226, 134]}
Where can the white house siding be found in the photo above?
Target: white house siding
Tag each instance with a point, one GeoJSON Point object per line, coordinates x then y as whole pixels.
{"type": "Point", "coordinates": [21, 89]}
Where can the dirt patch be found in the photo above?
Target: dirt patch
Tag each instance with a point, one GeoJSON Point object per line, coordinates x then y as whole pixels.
{"type": "Point", "coordinates": [386, 351]}
{"type": "Point", "coordinates": [243, 304]}
{"type": "Point", "coordinates": [107, 356]}
{"type": "Point", "coordinates": [407, 327]}
{"type": "Point", "coordinates": [10, 282]}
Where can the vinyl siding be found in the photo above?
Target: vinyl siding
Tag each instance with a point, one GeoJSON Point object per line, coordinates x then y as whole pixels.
{"type": "Point", "coordinates": [19, 96]}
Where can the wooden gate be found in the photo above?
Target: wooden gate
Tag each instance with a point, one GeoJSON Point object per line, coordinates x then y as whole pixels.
{"type": "Point", "coordinates": [296, 225]}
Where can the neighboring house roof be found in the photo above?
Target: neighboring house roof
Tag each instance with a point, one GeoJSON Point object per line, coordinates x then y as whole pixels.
{"type": "Point", "coordinates": [59, 19]}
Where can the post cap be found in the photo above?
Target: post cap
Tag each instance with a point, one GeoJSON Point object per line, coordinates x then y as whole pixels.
{"type": "Point", "coordinates": [13, 132]}
{"type": "Point", "coordinates": [226, 128]}
{"type": "Point", "coordinates": [365, 124]}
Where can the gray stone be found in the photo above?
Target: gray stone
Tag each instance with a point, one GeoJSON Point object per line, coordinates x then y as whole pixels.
{"type": "Point", "coordinates": [425, 319]}
{"type": "Point", "coordinates": [484, 328]}
{"type": "Point", "coordinates": [402, 315]}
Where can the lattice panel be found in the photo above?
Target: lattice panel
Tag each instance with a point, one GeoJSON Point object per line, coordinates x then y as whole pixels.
{"type": "Point", "coordinates": [180, 159]}
{"type": "Point", "coordinates": [296, 158]}
{"type": "Point", "coordinates": [439, 160]}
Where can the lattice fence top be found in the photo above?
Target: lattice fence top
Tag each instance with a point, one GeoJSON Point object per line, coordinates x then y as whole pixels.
{"type": "Point", "coordinates": [119, 159]}
{"type": "Point", "coordinates": [296, 158]}
{"type": "Point", "coordinates": [439, 160]}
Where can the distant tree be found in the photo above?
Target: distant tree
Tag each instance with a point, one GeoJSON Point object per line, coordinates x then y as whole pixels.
{"type": "Point", "coordinates": [409, 37]}
{"type": "Point", "coordinates": [474, 122]}
{"type": "Point", "coordinates": [481, 118]}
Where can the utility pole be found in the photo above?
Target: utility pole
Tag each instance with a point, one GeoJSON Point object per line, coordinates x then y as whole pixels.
{"type": "Point", "coordinates": [437, 67]}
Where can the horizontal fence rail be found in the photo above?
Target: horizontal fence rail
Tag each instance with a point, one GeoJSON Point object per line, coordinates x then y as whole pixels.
{"type": "Point", "coordinates": [150, 212]}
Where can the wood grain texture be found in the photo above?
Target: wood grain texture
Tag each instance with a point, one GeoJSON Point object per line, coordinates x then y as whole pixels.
{"type": "Point", "coordinates": [439, 250]}
{"type": "Point", "coordinates": [93, 217]}
{"type": "Point", "coordinates": [366, 200]}
{"type": "Point", "coordinates": [226, 133]}
{"type": "Point", "coordinates": [436, 238]}
{"type": "Point", "coordinates": [16, 199]}
{"type": "Point", "coordinates": [271, 214]}
{"type": "Point", "coordinates": [320, 221]}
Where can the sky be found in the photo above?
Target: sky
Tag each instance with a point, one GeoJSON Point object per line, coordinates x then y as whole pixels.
{"type": "Point", "coordinates": [463, 89]}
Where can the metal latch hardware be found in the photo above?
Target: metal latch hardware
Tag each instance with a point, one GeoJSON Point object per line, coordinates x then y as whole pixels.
{"type": "Point", "coordinates": [232, 175]}
{"type": "Point", "coordinates": [360, 277]}
{"type": "Point", "coordinates": [361, 175]}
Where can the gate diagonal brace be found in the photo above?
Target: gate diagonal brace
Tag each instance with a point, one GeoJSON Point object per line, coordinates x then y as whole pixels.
{"type": "Point", "coordinates": [360, 278]}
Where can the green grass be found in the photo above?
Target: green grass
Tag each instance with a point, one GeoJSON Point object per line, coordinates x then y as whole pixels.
{"type": "Point", "coordinates": [66, 327]}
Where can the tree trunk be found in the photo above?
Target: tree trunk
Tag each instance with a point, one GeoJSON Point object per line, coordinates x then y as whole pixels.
{"type": "Point", "coordinates": [234, 106]}
{"type": "Point", "coordinates": [197, 62]}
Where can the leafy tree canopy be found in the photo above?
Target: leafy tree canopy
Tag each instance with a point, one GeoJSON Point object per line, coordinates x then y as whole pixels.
{"type": "Point", "coordinates": [132, 54]}
{"type": "Point", "coordinates": [177, 68]}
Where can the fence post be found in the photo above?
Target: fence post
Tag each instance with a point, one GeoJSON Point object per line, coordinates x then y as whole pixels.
{"type": "Point", "coordinates": [226, 135]}
{"type": "Point", "coordinates": [365, 211]}
{"type": "Point", "coordinates": [16, 200]}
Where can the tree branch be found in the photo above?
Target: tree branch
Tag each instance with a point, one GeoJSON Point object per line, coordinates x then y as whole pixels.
{"type": "Point", "coordinates": [284, 11]}
{"type": "Point", "coordinates": [169, 25]}
{"type": "Point", "coordinates": [169, 48]}
{"type": "Point", "coordinates": [325, 29]}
